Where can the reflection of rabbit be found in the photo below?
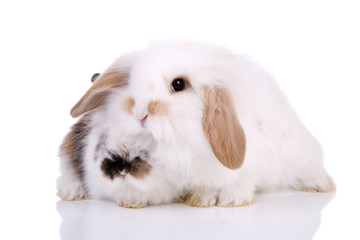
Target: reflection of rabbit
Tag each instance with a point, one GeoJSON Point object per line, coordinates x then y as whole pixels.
{"type": "Point", "coordinates": [277, 216]}
{"type": "Point", "coordinates": [213, 125]}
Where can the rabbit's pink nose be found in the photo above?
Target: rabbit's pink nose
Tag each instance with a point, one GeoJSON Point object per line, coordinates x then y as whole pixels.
{"type": "Point", "coordinates": [142, 121]}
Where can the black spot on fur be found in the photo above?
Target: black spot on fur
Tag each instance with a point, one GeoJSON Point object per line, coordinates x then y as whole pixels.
{"type": "Point", "coordinates": [117, 166]}
{"type": "Point", "coordinates": [112, 167]}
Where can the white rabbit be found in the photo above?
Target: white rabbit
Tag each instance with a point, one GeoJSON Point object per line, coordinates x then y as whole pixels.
{"type": "Point", "coordinates": [195, 120]}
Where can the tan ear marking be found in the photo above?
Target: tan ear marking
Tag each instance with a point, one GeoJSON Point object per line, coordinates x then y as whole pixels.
{"type": "Point", "coordinates": [222, 128]}
{"type": "Point", "coordinates": [98, 92]}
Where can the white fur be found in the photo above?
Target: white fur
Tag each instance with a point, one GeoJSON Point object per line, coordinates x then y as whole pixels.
{"type": "Point", "coordinates": [280, 152]}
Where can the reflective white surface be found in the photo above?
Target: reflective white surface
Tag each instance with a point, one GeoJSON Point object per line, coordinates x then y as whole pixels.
{"type": "Point", "coordinates": [275, 216]}
{"type": "Point", "coordinates": [50, 49]}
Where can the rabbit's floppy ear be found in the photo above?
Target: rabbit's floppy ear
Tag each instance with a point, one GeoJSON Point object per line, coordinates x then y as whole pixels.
{"type": "Point", "coordinates": [96, 95]}
{"type": "Point", "coordinates": [222, 127]}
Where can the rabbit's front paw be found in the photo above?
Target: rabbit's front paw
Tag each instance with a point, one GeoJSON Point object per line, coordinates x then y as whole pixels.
{"type": "Point", "coordinates": [234, 197]}
{"type": "Point", "coordinates": [70, 189]}
{"type": "Point", "coordinates": [201, 197]}
{"type": "Point", "coordinates": [132, 204]}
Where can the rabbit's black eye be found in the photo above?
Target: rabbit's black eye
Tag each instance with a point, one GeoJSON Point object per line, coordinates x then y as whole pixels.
{"type": "Point", "coordinates": [178, 84]}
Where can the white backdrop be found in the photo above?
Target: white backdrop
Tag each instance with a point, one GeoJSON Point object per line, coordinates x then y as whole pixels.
{"type": "Point", "coordinates": [50, 49]}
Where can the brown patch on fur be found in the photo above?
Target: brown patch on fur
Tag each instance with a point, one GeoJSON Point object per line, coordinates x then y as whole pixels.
{"type": "Point", "coordinates": [158, 107]}
{"type": "Point", "coordinates": [98, 92]}
{"type": "Point", "coordinates": [140, 169]}
{"type": "Point", "coordinates": [128, 105]}
{"type": "Point", "coordinates": [74, 144]}
{"type": "Point", "coordinates": [222, 128]}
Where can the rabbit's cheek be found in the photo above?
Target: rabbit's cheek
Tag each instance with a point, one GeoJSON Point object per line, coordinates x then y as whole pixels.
{"type": "Point", "coordinates": [128, 105]}
{"type": "Point", "coordinates": [158, 107]}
